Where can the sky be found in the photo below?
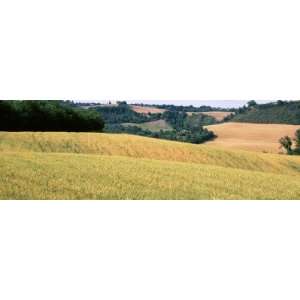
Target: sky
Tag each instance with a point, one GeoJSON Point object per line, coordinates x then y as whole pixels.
{"type": "Point", "coordinates": [213, 103]}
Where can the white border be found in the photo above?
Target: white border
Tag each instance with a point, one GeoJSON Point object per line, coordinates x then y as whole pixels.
{"type": "Point", "coordinates": [149, 250]}
{"type": "Point", "coordinates": [158, 50]}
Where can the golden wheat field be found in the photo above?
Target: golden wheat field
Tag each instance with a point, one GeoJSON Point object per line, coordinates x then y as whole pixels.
{"type": "Point", "coordinates": [115, 166]}
{"type": "Point", "coordinates": [249, 136]}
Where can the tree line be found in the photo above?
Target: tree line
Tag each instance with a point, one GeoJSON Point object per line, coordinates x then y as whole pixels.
{"type": "Point", "coordinates": [69, 116]}
{"type": "Point", "coordinates": [187, 136]}
{"type": "Point", "coordinates": [183, 108]}
{"type": "Point", "coordinates": [47, 116]}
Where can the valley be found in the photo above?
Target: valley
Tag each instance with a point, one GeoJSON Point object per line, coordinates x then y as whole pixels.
{"type": "Point", "coordinates": [67, 150]}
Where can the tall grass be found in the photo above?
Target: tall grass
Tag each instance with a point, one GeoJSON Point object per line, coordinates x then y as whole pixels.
{"type": "Point", "coordinates": [142, 147]}
{"type": "Point", "coordinates": [70, 176]}
{"type": "Point", "coordinates": [108, 166]}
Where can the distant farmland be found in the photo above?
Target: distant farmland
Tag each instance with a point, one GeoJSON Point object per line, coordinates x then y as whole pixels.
{"type": "Point", "coordinates": [147, 109]}
{"type": "Point", "coordinates": [250, 136]}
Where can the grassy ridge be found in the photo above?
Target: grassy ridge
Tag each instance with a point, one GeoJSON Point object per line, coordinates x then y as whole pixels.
{"type": "Point", "coordinates": [141, 147]}
{"type": "Point", "coordinates": [60, 166]}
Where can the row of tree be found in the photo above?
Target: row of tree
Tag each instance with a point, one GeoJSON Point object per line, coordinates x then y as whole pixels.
{"type": "Point", "coordinates": [188, 136]}
{"type": "Point", "coordinates": [47, 116]}
{"type": "Point", "coordinates": [187, 108]}
{"type": "Point", "coordinates": [287, 143]}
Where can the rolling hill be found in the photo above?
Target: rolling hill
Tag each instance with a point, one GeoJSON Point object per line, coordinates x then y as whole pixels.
{"type": "Point", "coordinates": [280, 112]}
{"type": "Point", "coordinates": [112, 166]}
{"type": "Point", "coordinates": [250, 136]}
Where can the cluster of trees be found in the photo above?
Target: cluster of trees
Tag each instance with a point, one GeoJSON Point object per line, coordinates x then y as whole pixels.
{"type": "Point", "coordinates": [281, 112]}
{"type": "Point", "coordinates": [188, 136]}
{"type": "Point", "coordinates": [181, 120]}
{"type": "Point", "coordinates": [194, 121]}
{"type": "Point", "coordinates": [47, 116]}
{"type": "Point", "coordinates": [185, 128]}
{"type": "Point", "coordinates": [122, 113]}
{"type": "Point", "coordinates": [287, 143]}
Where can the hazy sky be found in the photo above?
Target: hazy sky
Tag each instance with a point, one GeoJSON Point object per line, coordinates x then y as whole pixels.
{"type": "Point", "coordinates": [214, 103]}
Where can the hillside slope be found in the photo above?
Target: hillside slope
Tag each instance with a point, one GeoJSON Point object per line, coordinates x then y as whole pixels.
{"type": "Point", "coordinates": [112, 166]}
{"type": "Point", "coordinates": [141, 147]}
{"type": "Point", "coordinates": [280, 112]}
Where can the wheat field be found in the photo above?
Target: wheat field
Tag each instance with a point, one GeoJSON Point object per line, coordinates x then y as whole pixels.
{"type": "Point", "coordinates": [116, 166]}
{"type": "Point", "coordinates": [250, 136]}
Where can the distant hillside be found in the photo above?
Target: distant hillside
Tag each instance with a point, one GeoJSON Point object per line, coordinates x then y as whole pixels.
{"type": "Point", "coordinates": [280, 112]}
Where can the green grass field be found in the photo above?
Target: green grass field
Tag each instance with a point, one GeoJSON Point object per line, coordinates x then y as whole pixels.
{"type": "Point", "coordinates": [152, 125]}
{"type": "Point", "coordinates": [113, 166]}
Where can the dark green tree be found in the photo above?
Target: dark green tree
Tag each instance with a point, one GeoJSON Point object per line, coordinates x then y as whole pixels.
{"type": "Point", "coordinates": [286, 143]}
{"type": "Point", "coordinates": [47, 116]}
{"type": "Point", "coordinates": [251, 103]}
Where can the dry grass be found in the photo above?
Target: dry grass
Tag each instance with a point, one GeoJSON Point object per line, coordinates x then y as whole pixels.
{"type": "Point", "coordinates": [218, 115]}
{"type": "Point", "coordinates": [32, 175]}
{"type": "Point", "coordinates": [249, 136]}
{"type": "Point", "coordinates": [143, 147]}
{"type": "Point", "coordinates": [146, 109]}
{"type": "Point", "coordinates": [114, 166]}
{"type": "Point", "coordinates": [152, 125]}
